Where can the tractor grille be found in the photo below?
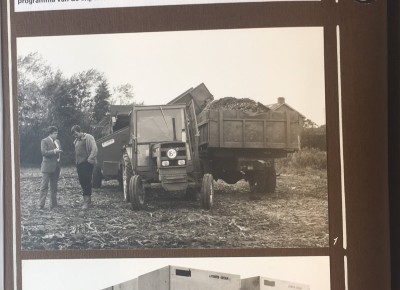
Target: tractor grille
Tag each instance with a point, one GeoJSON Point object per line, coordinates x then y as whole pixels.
{"type": "Point", "coordinates": [179, 147]}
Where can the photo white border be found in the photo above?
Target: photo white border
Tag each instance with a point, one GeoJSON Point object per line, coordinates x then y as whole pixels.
{"type": "Point", "coordinates": [88, 274]}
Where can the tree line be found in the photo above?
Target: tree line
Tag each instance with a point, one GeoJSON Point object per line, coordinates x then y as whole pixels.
{"type": "Point", "coordinates": [46, 97]}
{"type": "Point", "coordinates": [313, 136]}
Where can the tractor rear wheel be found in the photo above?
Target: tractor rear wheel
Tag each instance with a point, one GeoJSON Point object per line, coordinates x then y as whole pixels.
{"type": "Point", "coordinates": [127, 173]}
{"type": "Point", "coordinates": [207, 191]}
{"type": "Point", "coordinates": [120, 181]}
{"type": "Point", "coordinates": [137, 192]}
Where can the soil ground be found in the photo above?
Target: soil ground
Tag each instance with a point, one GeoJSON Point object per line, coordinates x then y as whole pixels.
{"type": "Point", "coordinates": [296, 215]}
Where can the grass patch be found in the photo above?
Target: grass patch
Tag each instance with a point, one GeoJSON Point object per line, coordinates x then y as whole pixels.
{"type": "Point", "coordinates": [304, 160]}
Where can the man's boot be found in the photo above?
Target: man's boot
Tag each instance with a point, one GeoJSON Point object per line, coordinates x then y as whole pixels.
{"type": "Point", "coordinates": [86, 201]}
{"type": "Point", "coordinates": [53, 201]}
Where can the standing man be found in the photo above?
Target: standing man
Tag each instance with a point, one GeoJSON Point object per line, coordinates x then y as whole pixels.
{"type": "Point", "coordinates": [50, 168]}
{"type": "Point", "coordinates": [85, 153]}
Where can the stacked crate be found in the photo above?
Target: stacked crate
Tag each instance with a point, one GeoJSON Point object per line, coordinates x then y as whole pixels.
{"type": "Point", "coordinates": [264, 283]}
{"type": "Point", "coordinates": [178, 278]}
{"type": "Point", "coordinates": [181, 278]}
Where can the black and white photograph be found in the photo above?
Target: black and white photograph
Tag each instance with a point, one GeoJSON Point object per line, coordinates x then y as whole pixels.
{"type": "Point", "coordinates": [245, 273]}
{"type": "Point", "coordinates": [208, 139]}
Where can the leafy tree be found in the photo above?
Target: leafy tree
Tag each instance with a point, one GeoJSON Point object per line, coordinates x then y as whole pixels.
{"type": "Point", "coordinates": [101, 106]}
{"type": "Point", "coordinates": [101, 101]}
{"type": "Point", "coordinates": [313, 136]}
{"type": "Point", "coordinates": [83, 88]}
{"type": "Point", "coordinates": [123, 95]}
{"type": "Point", "coordinates": [46, 97]}
{"type": "Point", "coordinates": [309, 124]}
{"type": "Point", "coordinates": [33, 74]}
{"type": "Point", "coordinates": [63, 113]}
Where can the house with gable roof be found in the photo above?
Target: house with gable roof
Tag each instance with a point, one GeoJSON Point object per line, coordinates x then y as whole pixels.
{"type": "Point", "coordinates": [282, 106]}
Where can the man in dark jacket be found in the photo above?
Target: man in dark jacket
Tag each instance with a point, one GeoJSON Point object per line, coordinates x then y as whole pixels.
{"type": "Point", "coordinates": [50, 168]}
{"type": "Point", "coordinates": [85, 153]}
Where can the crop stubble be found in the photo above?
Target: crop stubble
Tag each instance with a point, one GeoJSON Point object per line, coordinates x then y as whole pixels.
{"type": "Point", "coordinates": [296, 215]}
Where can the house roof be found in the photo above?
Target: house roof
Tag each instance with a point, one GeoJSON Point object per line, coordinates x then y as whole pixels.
{"type": "Point", "coordinates": [276, 106]}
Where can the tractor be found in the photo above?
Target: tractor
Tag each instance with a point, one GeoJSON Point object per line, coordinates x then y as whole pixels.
{"type": "Point", "coordinates": [162, 153]}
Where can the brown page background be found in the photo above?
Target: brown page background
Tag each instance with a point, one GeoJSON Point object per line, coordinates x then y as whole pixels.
{"type": "Point", "coordinates": [363, 31]}
{"type": "Point", "coordinates": [394, 135]}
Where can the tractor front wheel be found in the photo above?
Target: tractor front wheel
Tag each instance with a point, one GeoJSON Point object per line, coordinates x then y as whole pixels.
{"type": "Point", "coordinates": [127, 173]}
{"type": "Point", "coordinates": [137, 192]}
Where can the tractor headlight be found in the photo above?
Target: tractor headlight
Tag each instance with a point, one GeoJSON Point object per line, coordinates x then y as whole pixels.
{"type": "Point", "coordinates": [181, 162]}
{"type": "Point", "coordinates": [171, 153]}
{"type": "Point", "coordinates": [165, 163]}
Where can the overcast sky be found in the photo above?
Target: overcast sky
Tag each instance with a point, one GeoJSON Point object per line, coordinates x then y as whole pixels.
{"type": "Point", "coordinates": [262, 64]}
{"type": "Point", "coordinates": [96, 274]}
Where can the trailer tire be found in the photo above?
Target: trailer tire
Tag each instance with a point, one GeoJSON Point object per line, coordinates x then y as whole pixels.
{"type": "Point", "coordinates": [97, 177]}
{"type": "Point", "coordinates": [251, 186]}
{"type": "Point", "coordinates": [259, 182]}
{"type": "Point", "coordinates": [271, 181]}
{"type": "Point", "coordinates": [127, 173]}
{"type": "Point", "coordinates": [207, 191]}
{"type": "Point", "coordinates": [137, 192]}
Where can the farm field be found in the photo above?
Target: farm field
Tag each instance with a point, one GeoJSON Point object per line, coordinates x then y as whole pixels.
{"type": "Point", "coordinates": [296, 215]}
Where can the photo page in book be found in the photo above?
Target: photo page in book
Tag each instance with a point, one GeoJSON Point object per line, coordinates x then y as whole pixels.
{"type": "Point", "coordinates": [216, 144]}
{"type": "Point", "coordinates": [205, 139]}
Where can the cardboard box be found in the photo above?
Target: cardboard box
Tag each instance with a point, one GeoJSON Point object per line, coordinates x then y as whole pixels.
{"type": "Point", "coordinates": [264, 283]}
{"type": "Point", "coordinates": [180, 278]}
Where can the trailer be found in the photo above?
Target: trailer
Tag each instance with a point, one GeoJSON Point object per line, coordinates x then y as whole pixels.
{"type": "Point", "coordinates": [109, 157]}
{"type": "Point", "coordinates": [235, 144]}
{"type": "Point", "coordinates": [115, 134]}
